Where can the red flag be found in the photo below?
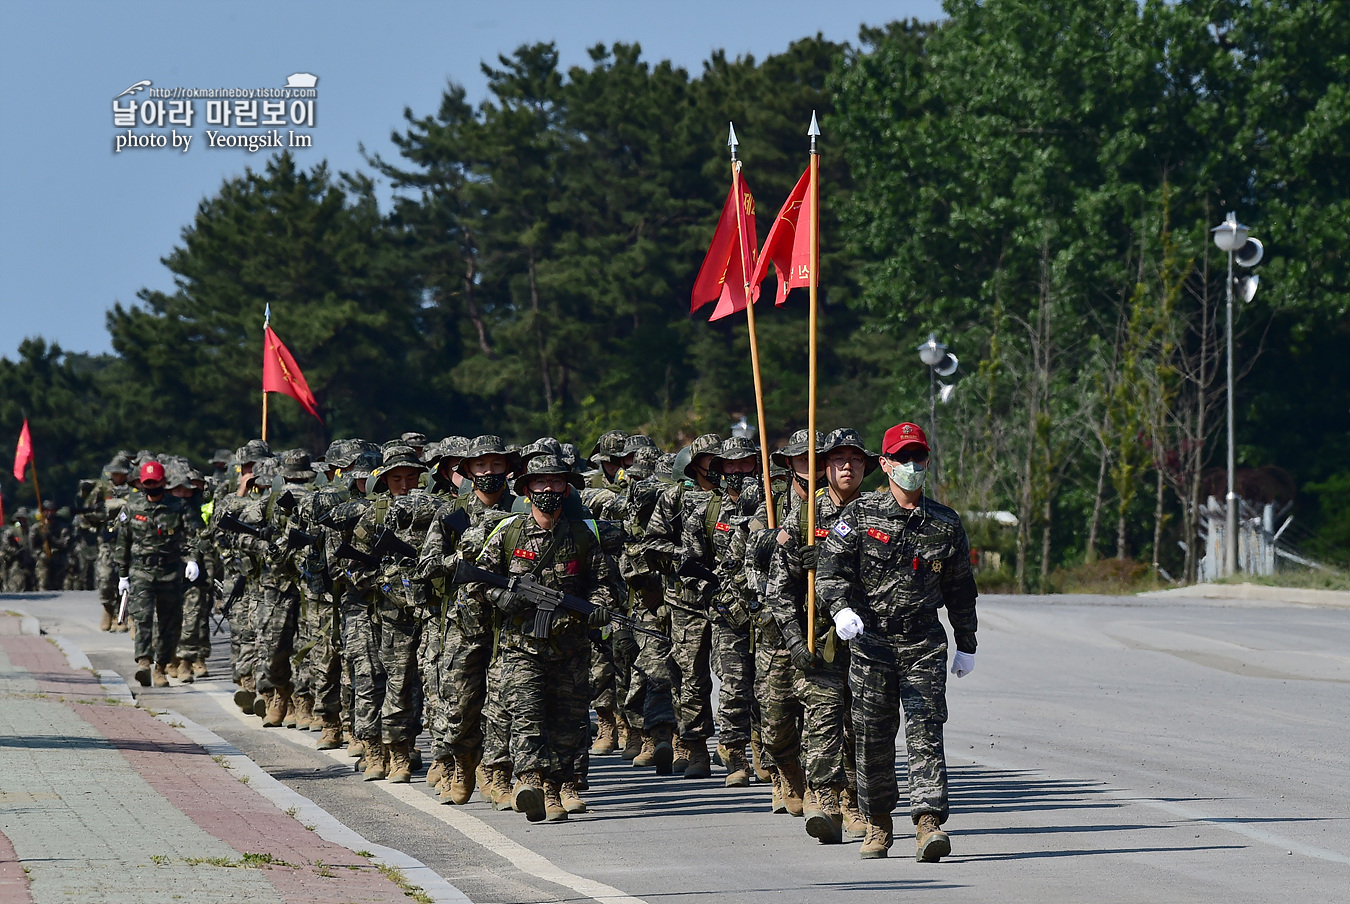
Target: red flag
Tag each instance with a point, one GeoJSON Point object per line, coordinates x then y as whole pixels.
{"type": "Point", "coordinates": [788, 246]}
{"type": "Point", "coordinates": [282, 374]}
{"type": "Point", "coordinates": [23, 453]}
{"type": "Point", "coordinates": [731, 257]}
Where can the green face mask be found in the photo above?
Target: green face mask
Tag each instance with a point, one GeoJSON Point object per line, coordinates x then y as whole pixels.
{"type": "Point", "coordinates": [908, 476]}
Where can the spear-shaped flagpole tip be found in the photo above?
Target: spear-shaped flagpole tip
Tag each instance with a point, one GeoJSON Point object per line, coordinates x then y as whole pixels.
{"type": "Point", "coordinates": [267, 314]}
{"type": "Point", "coordinates": [814, 131]}
{"type": "Point", "coordinates": [731, 139]}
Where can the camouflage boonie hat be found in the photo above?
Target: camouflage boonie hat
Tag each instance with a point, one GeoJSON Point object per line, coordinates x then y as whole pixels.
{"type": "Point", "coordinates": [571, 456]}
{"type": "Point", "coordinates": [416, 440]}
{"type": "Point", "coordinates": [455, 446]}
{"type": "Point", "coordinates": [176, 475]}
{"type": "Point", "coordinates": [252, 452]}
{"type": "Point", "coordinates": [735, 448]}
{"type": "Point", "coordinates": [796, 445]}
{"type": "Point", "coordinates": [394, 457]}
{"type": "Point", "coordinates": [665, 465]}
{"type": "Point", "coordinates": [49, 505]}
{"type": "Point", "coordinates": [609, 446]}
{"type": "Point", "coordinates": [23, 512]}
{"type": "Point", "coordinates": [363, 466]}
{"type": "Point", "coordinates": [708, 443]}
{"type": "Point", "coordinates": [546, 464]}
{"type": "Point", "coordinates": [850, 438]}
{"type": "Point", "coordinates": [644, 463]}
{"type": "Point", "coordinates": [295, 465]}
{"type": "Point", "coordinates": [222, 457]}
{"type": "Point", "coordinates": [264, 469]}
{"type": "Point", "coordinates": [544, 445]}
{"type": "Point", "coordinates": [120, 464]}
{"type": "Point", "coordinates": [487, 444]}
{"type": "Point", "coordinates": [639, 441]}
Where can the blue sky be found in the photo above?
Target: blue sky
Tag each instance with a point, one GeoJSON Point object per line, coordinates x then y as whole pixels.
{"type": "Point", "coordinates": [82, 227]}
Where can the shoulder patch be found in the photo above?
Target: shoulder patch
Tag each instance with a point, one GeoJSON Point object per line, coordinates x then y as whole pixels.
{"type": "Point", "coordinates": [878, 535]}
{"type": "Point", "coordinates": [842, 529]}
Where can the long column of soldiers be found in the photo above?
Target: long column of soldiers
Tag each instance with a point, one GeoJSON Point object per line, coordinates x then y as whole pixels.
{"type": "Point", "coordinates": [353, 611]}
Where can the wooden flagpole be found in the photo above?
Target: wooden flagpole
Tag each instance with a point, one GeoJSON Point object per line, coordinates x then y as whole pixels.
{"type": "Point", "coordinates": [267, 320]}
{"type": "Point", "coordinates": [754, 343]}
{"type": "Point", "coordinates": [814, 133]}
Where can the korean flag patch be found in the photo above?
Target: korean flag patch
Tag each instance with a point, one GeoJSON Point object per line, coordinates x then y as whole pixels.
{"type": "Point", "coordinates": [122, 517]}
{"type": "Point", "coordinates": [842, 529]}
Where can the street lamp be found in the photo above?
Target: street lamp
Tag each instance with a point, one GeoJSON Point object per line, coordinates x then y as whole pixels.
{"type": "Point", "coordinates": [940, 362]}
{"type": "Point", "coordinates": [1232, 237]}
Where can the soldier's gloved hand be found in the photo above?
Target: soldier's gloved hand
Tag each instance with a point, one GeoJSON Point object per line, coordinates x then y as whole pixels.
{"type": "Point", "coordinates": [598, 618]}
{"type": "Point", "coordinates": [847, 624]}
{"type": "Point", "coordinates": [809, 557]}
{"type": "Point", "coordinates": [123, 585]}
{"type": "Point", "coordinates": [802, 658]}
{"type": "Point", "coordinates": [963, 664]}
{"type": "Point", "coordinates": [508, 602]}
{"type": "Point", "coordinates": [191, 570]}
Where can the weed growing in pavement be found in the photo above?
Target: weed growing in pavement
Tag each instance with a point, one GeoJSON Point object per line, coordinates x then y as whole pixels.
{"type": "Point", "coordinates": [243, 779]}
{"type": "Point", "coordinates": [309, 828]}
{"type": "Point", "coordinates": [366, 854]}
{"type": "Point", "coordinates": [158, 859]}
{"type": "Point", "coordinates": [291, 811]}
{"type": "Point", "coordinates": [324, 870]}
{"type": "Point", "coordinates": [219, 760]}
{"type": "Point", "coordinates": [247, 861]}
{"type": "Point", "coordinates": [395, 875]}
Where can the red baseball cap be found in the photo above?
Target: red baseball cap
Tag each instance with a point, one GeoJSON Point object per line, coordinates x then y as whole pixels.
{"type": "Point", "coordinates": [152, 470]}
{"type": "Point", "coordinates": [902, 435]}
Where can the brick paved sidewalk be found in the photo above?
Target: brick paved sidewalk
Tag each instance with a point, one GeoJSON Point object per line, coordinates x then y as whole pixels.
{"type": "Point", "coordinates": [102, 802]}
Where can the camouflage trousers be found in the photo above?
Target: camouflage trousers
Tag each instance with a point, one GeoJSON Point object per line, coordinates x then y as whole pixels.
{"type": "Point", "coordinates": [691, 656]}
{"type": "Point", "coordinates": [306, 636]}
{"type": "Point", "coordinates": [105, 576]}
{"type": "Point", "coordinates": [548, 693]}
{"type": "Point", "coordinates": [322, 665]}
{"type": "Point", "coordinates": [827, 726]}
{"type": "Point", "coordinates": [243, 638]}
{"type": "Point", "coordinates": [604, 693]}
{"type": "Point", "coordinates": [735, 666]}
{"type": "Point", "coordinates": [275, 620]}
{"type": "Point", "coordinates": [194, 640]}
{"type": "Point", "coordinates": [361, 653]}
{"type": "Point", "coordinates": [462, 685]}
{"type": "Point", "coordinates": [649, 689]}
{"type": "Point", "coordinates": [155, 609]}
{"type": "Point", "coordinates": [50, 570]}
{"type": "Point", "coordinates": [889, 676]}
{"type": "Point", "coordinates": [780, 710]}
{"type": "Point", "coordinates": [400, 637]}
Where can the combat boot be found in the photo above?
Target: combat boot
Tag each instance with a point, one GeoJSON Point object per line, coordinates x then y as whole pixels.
{"type": "Point", "coordinates": [105, 622]}
{"type": "Point", "coordinates": [185, 672]}
{"type": "Point", "coordinates": [331, 739]}
{"type": "Point", "coordinates": [484, 776]}
{"type": "Point", "coordinates": [855, 827]}
{"type": "Point", "coordinates": [571, 798]}
{"type": "Point", "coordinates": [634, 739]}
{"type": "Point", "coordinates": [757, 758]}
{"type": "Point", "coordinates": [528, 797]}
{"type": "Point", "coordinates": [777, 806]}
{"type": "Point", "coordinates": [400, 762]}
{"type": "Point", "coordinates": [606, 738]}
{"type": "Point", "coordinates": [288, 717]}
{"type": "Point", "coordinates": [700, 765]}
{"type": "Point", "coordinates": [356, 748]}
{"type": "Point", "coordinates": [738, 768]}
{"type": "Point", "coordinates": [161, 679]}
{"type": "Point", "coordinates": [304, 711]}
{"type": "Point", "coordinates": [879, 838]}
{"type": "Point", "coordinates": [502, 798]}
{"type": "Point", "coordinates": [260, 706]}
{"type": "Point", "coordinates": [647, 753]}
{"type": "Point", "coordinates": [460, 780]}
{"type": "Point", "coordinates": [554, 811]}
{"type": "Point", "coordinates": [681, 759]}
{"type": "Point", "coordinates": [931, 844]}
{"type": "Point", "coordinates": [143, 672]}
{"type": "Point", "coordinates": [377, 761]}
{"type": "Point", "coordinates": [199, 669]}
{"type": "Point", "coordinates": [794, 785]}
{"type": "Point", "coordinates": [824, 819]}
{"type": "Point", "coordinates": [440, 767]}
{"type": "Point", "coordinates": [657, 751]}
{"type": "Point", "coordinates": [623, 734]}
{"type": "Point", "coordinates": [278, 704]}
{"type": "Point", "coordinates": [245, 695]}
{"type": "Point", "coordinates": [123, 628]}
{"type": "Point", "coordinates": [172, 668]}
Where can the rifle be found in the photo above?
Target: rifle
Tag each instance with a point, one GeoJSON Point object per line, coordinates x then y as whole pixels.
{"type": "Point", "coordinates": [546, 600]}
{"type": "Point", "coordinates": [692, 570]}
{"type": "Point", "coordinates": [457, 522]}
{"type": "Point", "coordinates": [298, 539]}
{"type": "Point", "coordinates": [232, 524]}
{"type": "Point", "coordinates": [287, 501]}
{"type": "Point", "coordinates": [347, 551]}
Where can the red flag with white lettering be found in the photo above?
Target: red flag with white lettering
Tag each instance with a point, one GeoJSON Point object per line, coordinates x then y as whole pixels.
{"type": "Point", "coordinates": [788, 246]}
{"type": "Point", "coordinates": [731, 257]}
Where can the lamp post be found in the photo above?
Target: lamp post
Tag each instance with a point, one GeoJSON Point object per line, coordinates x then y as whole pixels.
{"type": "Point", "coordinates": [939, 361]}
{"type": "Point", "coordinates": [1230, 236]}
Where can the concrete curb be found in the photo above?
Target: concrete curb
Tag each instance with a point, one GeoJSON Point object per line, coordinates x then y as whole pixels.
{"type": "Point", "coordinates": [19, 625]}
{"type": "Point", "coordinates": [1246, 591]}
{"type": "Point", "coordinates": [308, 813]}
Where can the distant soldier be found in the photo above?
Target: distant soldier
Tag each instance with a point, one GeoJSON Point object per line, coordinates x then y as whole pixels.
{"type": "Point", "coordinates": [49, 540]}
{"type": "Point", "coordinates": [15, 554]}
{"type": "Point", "coordinates": [219, 479]}
{"type": "Point", "coordinates": [194, 638]}
{"type": "Point", "coordinates": [890, 562]}
{"type": "Point", "coordinates": [104, 504]}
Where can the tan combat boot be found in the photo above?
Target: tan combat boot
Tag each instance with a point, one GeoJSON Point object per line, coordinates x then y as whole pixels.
{"type": "Point", "coordinates": [440, 767]}
{"type": "Point", "coordinates": [199, 669]}
{"type": "Point", "coordinates": [244, 697]}
{"type": "Point", "coordinates": [161, 679]}
{"type": "Point", "coordinates": [777, 805]}
{"type": "Point", "coordinates": [528, 797]}
{"type": "Point", "coordinates": [288, 719]}
{"type": "Point", "coordinates": [681, 759]}
{"type": "Point", "coordinates": [400, 762]}
{"type": "Point", "coordinates": [633, 739]}
{"type": "Point", "coordinates": [278, 702]}
{"type": "Point", "coordinates": [143, 672]}
{"type": "Point", "coordinates": [502, 798]}
{"type": "Point", "coordinates": [646, 755]}
{"type": "Point", "coordinates": [571, 798]}
{"type": "Point", "coordinates": [105, 623]}
{"type": "Point", "coordinates": [623, 736]}
{"type": "Point", "coordinates": [794, 785]}
{"type": "Point", "coordinates": [879, 837]}
{"type": "Point", "coordinates": [855, 827]}
{"type": "Point", "coordinates": [824, 819]}
{"type": "Point", "coordinates": [700, 764]}
{"type": "Point", "coordinates": [554, 811]}
{"type": "Point", "coordinates": [930, 842]}
{"type": "Point", "coordinates": [172, 668]}
{"type": "Point", "coordinates": [331, 739]}
{"type": "Point", "coordinates": [186, 674]}
{"type": "Point", "coordinates": [757, 758]}
{"type": "Point", "coordinates": [738, 768]}
{"type": "Point", "coordinates": [304, 711]}
{"type": "Point", "coordinates": [607, 736]}
{"type": "Point", "coordinates": [484, 776]}
{"type": "Point", "coordinates": [377, 761]}
{"type": "Point", "coordinates": [356, 748]}
{"type": "Point", "coordinates": [460, 781]}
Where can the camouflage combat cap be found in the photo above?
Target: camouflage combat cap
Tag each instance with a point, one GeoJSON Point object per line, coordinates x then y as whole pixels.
{"type": "Point", "coordinates": [363, 466]}
{"type": "Point", "coordinates": [488, 444]}
{"type": "Point", "coordinates": [702, 445]}
{"type": "Point", "coordinates": [847, 437]}
{"type": "Point", "coordinates": [264, 469]}
{"type": "Point", "coordinates": [252, 452]}
{"type": "Point", "coordinates": [546, 464]}
{"type": "Point", "coordinates": [295, 465]}
{"type": "Point", "coordinates": [796, 445]}
{"type": "Point", "coordinates": [735, 448]}
{"type": "Point", "coordinates": [665, 465]}
{"type": "Point", "coordinates": [609, 446]}
{"type": "Point", "coordinates": [222, 457]}
{"type": "Point", "coordinates": [639, 441]}
{"type": "Point", "coordinates": [394, 457]}
{"type": "Point", "coordinates": [544, 445]}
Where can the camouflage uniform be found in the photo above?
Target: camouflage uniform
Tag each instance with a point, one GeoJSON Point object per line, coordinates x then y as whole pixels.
{"type": "Point", "coordinates": [152, 540]}
{"type": "Point", "coordinates": [194, 638]}
{"type": "Point", "coordinates": [895, 568]}
{"type": "Point", "coordinates": [105, 500]}
{"type": "Point", "coordinates": [17, 558]}
{"type": "Point", "coordinates": [48, 540]}
{"type": "Point", "coordinates": [242, 565]}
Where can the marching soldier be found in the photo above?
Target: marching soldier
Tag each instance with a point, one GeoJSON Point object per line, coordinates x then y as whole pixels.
{"type": "Point", "coordinates": [194, 639]}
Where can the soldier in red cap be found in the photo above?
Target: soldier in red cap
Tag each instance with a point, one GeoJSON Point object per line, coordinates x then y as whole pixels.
{"type": "Point", "coordinates": [890, 562]}
{"type": "Point", "coordinates": [154, 552]}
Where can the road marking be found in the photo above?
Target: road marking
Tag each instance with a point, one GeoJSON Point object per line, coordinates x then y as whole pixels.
{"type": "Point", "coordinates": [1227, 823]}
{"type": "Point", "coordinates": [471, 827]}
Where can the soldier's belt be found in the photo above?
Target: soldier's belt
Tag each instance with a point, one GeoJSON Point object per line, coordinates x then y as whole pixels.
{"type": "Point", "coordinates": [158, 560]}
{"type": "Point", "coordinates": [917, 622]}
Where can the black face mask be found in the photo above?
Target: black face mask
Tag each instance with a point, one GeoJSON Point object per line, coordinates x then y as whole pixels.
{"type": "Point", "coordinates": [801, 482]}
{"type": "Point", "coordinates": [548, 501]}
{"type": "Point", "coordinates": [713, 478]}
{"type": "Point", "coordinates": [734, 482]}
{"type": "Point", "coordinates": [489, 483]}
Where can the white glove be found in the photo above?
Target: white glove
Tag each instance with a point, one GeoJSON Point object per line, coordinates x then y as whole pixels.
{"type": "Point", "coordinates": [963, 664]}
{"type": "Point", "coordinates": [191, 571]}
{"type": "Point", "coordinates": [123, 585]}
{"type": "Point", "coordinates": [847, 624]}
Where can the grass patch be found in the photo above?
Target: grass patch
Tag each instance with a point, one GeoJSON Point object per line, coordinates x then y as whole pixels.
{"type": "Point", "coordinates": [158, 859]}
{"type": "Point", "coordinates": [395, 875]}
{"type": "Point", "coordinates": [366, 854]}
{"type": "Point", "coordinates": [247, 861]}
{"type": "Point", "coordinates": [291, 811]}
{"type": "Point", "coordinates": [1108, 576]}
{"type": "Point", "coordinates": [243, 779]}
{"type": "Point", "coordinates": [324, 870]}
{"type": "Point", "coordinates": [1301, 579]}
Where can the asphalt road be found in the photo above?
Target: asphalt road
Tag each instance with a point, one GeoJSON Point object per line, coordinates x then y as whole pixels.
{"type": "Point", "coordinates": [1106, 749]}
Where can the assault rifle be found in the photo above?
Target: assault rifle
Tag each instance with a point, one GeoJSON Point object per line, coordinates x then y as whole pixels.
{"type": "Point", "coordinates": [692, 570]}
{"type": "Point", "coordinates": [298, 539]}
{"type": "Point", "coordinates": [546, 600]}
{"type": "Point", "coordinates": [232, 524]}
{"type": "Point", "coordinates": [387, 545]}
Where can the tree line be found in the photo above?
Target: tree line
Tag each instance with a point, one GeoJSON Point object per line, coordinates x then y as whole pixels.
{"type": "Point", "coordinates": [1032, 181]}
